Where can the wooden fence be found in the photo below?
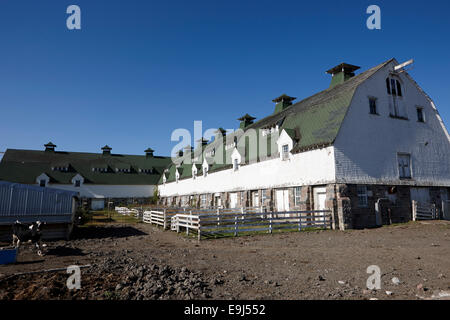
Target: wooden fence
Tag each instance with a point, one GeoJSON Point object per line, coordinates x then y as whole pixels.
{"type": "Point", "coordinates": [235, 223]}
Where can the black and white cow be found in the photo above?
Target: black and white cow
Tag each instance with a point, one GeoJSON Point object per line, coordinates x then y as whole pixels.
{"type": "Point", "coordinates": [24, 233]}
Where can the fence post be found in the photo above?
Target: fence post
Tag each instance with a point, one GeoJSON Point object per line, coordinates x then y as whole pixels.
{"type": "Point", "coordinates": [270, 223]}
{"type": "Point", "coordinates": [199, 229]}
{"type": "Point", "coordinates": [235, 226]}
{"type": "Point", "coordinates": [414, 210]}
{"type": "Point", "coordinates": [165, 219]}
{"type": "Point", "coordinates": [218, 217]}
{"type": "Point", "coordinates": [299, 221]}
{"type": "Point", "coordinates": [434, 211]}
{"type": "Point", "coordinates": [188, 223]}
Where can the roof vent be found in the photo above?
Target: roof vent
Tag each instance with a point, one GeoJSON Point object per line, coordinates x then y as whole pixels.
{"type": "Point", "coordinates": [282, 102]}
{"type": "Point", "coordinates": [106, 150]}
{"type": "Point", "coordinates": [202, 142]}
{"type": "Point", "coordinates": [50, 147]}
{"type": "Point", "coordinates": [246, 121]}
{"type": "Point", "coordinates": [149, 153]}
{"type": "Point", "coordinates": [342, 73]}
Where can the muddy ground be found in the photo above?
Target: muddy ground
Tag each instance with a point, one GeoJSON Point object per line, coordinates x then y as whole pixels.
{"type": "Point", "coordinates": [139, 261]}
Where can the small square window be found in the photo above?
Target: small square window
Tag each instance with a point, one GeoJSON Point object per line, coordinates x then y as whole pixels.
{"type": "Point", "coordinates": [420, 116]}
{"type": "Point", "coordinates": [373, 105]}
{"type": "Point", "coordinates": [77, 183]}
{"type": "Point", "coordinates": [42, 183]}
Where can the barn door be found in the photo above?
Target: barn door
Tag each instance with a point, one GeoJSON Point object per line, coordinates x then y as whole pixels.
{"type": "Point", "coordinates": [233, 200]}
{"type": "Point", "coordinates": [320, 196]}
{"type": "Point", "coordinates": [282, 197]}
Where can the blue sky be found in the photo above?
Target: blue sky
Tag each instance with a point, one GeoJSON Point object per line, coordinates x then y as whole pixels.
{"type": "Point", "coordinates": [137, 70]}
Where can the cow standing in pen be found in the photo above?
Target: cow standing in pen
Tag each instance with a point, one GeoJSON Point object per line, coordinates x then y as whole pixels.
{"type": "Point", "coordinates": [24, 233]}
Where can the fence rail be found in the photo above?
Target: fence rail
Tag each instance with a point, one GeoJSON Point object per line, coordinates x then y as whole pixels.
{"type": "Point", "coordinates": [235, 223]}
{"type": "Point", "coordinates": [424, 211]}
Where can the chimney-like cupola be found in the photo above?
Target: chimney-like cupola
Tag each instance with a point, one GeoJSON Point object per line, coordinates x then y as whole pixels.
{"type": "Point", "coordinates": [342, 73]}
{"type": "Point", "coordinates": [221, 132]}
{"type": "Point", "coordinates": [149, 153]}
{"type": "Point", "coordinates": [106, 150]}
{"type": "Point", "coordinates": [246, 121]}
{"type": "Point", "coordinates": [50, 147]}
{"type": "Point", "coordinates": [282, 102]}
{"type": "Point", "coordinates": [188, 149]}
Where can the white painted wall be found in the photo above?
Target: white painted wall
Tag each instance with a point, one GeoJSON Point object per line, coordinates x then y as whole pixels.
{"type": "Point", "coordinates": [367, 145]}
{"type": "Point", "coordinates": [108, 191]}
{"type": "Point", "coordinates": [307, 168]}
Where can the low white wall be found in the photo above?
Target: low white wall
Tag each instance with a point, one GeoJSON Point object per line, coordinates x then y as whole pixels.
{"type": "Point", "coordinates": [308, 168]}
{"type": "Point", "coordinates": [109, 191]}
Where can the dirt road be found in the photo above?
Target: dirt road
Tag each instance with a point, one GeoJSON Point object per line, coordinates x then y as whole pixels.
{"type": "Point", "coordinates": [305, 265]}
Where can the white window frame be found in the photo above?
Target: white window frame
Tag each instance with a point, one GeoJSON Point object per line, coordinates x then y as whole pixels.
{"type": "Point", "coordinates": [297, 196]}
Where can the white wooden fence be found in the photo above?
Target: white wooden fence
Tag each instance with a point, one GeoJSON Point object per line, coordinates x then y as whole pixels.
{"type": "Point", "coordinates": [235, 223]}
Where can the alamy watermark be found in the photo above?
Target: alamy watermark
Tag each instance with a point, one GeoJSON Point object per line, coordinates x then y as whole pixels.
{"type": "Point", "coordinates": [74, 280]}
{"type": "Point", "coordinates": [73, 22]}
{"type": "Point", "coordinates": [374, 21]}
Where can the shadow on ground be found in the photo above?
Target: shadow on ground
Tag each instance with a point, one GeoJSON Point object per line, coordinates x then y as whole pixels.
{"type": "Point", "coordinates": [61, 251]}
{"type": "Point", "coordinates": [102, 232]}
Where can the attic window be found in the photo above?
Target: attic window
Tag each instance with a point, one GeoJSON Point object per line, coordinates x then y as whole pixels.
{"type": "Point", "coordinates": [394, 87]}
{"type": "Point", "coordinates": [100, 169]}
{"type": "Point", "coordinates": [420, 116]}
{"type": "Point", "coordinates": [42, 183]}
{"type": "Point", "coordinates": [236, 164]}
{"type": "Point", "coordinates": [77, 183]}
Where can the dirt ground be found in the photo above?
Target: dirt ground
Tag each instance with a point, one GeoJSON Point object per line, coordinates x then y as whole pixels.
{"type": "Point", "coordinates": [297, 265]}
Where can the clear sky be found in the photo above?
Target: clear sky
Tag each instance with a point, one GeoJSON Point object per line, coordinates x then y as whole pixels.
{"type": "Point", "coordinates": [138, 69]}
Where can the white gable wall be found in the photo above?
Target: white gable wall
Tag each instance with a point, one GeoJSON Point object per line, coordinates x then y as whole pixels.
{"type": "Point", "coordinates": [367, 145]}
{"type": "Point", "coordinates": [307, 168]}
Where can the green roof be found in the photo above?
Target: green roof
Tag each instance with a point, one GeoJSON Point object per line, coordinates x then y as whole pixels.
{"type": "Point", "coordinates": [24, 166]}
{"type": "Point", "coordinates": [312, 123]}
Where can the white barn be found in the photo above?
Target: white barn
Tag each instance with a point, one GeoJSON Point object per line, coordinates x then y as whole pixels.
{"type": "Point", "coordinates": [372, 137]}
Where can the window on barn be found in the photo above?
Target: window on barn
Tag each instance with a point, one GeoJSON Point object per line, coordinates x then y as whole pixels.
{"type": "Point", "coordinates": [297, 196]}
{"type": "Point", "coordinates": [42, 183]}
{"type": "Point", "coordinates": [77, 183]}
{"type": "Point", "coordinates": [285, 152]}
{"type": "Point", "coordinates": [203, 200]}
{"type": "Point", "coordinates": [236, 165]}
{"type": "Point", "coordinates": [362, 196]}
{"type": "Point", "coordinates": [263, 197]}
{"type": "Point", "coordinates": [373, 105]}
{"type": "Point", "coordinates": [420, 116]}
{"type": "Point", "coordinates": [404, 166]}
{"type": "Point", "coordinates": [394, 87]}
